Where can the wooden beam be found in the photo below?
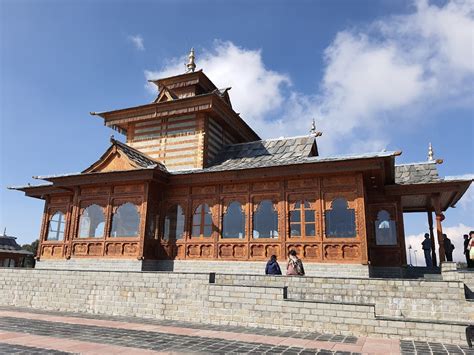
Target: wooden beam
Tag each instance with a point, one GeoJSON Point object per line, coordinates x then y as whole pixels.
{"type": "Point", "coordinates": [433, 246]}
{"type": "Point", "coordinates": [435, 198]}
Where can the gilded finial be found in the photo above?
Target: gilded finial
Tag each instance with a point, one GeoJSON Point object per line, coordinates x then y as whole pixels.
{"type": "Point", "coordinates": [191, 66]}
{"type": "Point", "coordinates": [430, 152]}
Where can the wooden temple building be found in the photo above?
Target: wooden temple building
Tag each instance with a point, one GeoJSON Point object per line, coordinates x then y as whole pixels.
{"type": "Point", "coordinates": [194, 182]}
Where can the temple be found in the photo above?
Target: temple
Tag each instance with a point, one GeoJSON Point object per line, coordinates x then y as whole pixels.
{"type": "Point", "coordinates": [193, 182]}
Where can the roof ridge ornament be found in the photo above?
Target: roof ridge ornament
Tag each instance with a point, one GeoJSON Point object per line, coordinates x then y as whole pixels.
{"type": "Point", "coordinates": [430, 153]}
{"type": "Point", "coordinates": [313, 132]}
{"type": "Point", "coordinates": [191, 66]}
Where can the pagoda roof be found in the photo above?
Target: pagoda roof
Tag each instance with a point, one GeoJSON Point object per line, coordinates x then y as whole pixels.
{"type": "Point", "coordinates": [8, 244]}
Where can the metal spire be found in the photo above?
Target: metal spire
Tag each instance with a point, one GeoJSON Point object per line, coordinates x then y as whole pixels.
{"type": "Point", "coordinates": [312, 131]}
{"type": "Point", "coordinates": [430, 152]}
{"type": "Point", "coordinates": [191, 66]}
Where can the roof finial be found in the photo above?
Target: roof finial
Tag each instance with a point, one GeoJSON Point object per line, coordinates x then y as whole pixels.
{"type": "Point", "coordinates": [312, 131]}
{"type": "Point", "coordinates": [5, 232]}
{"type": "Point", "coordinates": [430, 152]}
{"type": "Point", "coordinates": [112, 138]}
{"type": "Point", "coordinates": [191, 65]}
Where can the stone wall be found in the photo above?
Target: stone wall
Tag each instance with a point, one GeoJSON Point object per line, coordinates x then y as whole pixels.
{"type": "Point", "coordinates": [235, 267]}
{"type": "Point", "coordinates": [297, 303]}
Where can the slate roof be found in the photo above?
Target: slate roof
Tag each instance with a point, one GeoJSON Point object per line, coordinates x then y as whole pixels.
{"type": "Point", "coordinates": [258, 154]}
{"type": "Point", "coordinates": [417, 173]}
{"type": "Point", "coordinates": [9, 245]}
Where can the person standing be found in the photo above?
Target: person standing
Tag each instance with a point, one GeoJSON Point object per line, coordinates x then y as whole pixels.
{"type": "Point", "coordinates": [272, 267]}
{"type": "Point", "coordinates": [448, 248]}
{"type": "Point", "coordinates": [467, 240]}
{"type": "Point", "coordinates": [426, 245]}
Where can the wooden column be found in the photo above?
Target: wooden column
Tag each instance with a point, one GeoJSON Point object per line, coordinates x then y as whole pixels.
{"type": "Point", "coordinates": [439, 228]}
{"type": "Point", "coordinates": [433, 246]}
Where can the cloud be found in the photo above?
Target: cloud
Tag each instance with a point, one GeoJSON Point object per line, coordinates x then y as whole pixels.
{"type": "Point", "coordinates": [375, 78]}
{"type": "Point", "coordinates": [256, 90]}
{"type": "Point", "coordinates": [137, 41]}
{"type": "Point", "coordinates": [455, 233]}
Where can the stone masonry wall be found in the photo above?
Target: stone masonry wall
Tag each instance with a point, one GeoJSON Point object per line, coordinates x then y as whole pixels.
{"type": "Point", "coordinates": [237, 267]}
{"type": "Point", "coordinates": [243, 300]}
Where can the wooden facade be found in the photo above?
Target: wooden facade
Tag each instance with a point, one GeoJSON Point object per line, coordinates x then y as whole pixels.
{"type": "Point", "coordinates": [189, 159]}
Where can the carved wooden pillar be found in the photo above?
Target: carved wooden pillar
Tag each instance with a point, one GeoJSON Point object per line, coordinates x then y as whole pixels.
{"type": "Point", "coordinates": [439, 228]}
{"type": "Point", "coordinates": [44, 227]}
{"type": "Point", "coordinates": [433, 246]}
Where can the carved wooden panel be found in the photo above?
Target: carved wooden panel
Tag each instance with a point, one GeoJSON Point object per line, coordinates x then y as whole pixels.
{"type": "Point", "coordinates": [204, 190]}
{"type": "Point", "coordinates": [178, 191]}
{"type": "Point", "coordinates": [303, 183]}
{"type": "Point", "coordinates": [265, 186]}
{"type": "Point", "coordinates": [235, 188]}
{"type": "Point", "coordinates": [80, 249]}
{"type": "Point", "coordinates": [130, 249]}
{"type": "Point", "coordinates": [129, 188]}
{"type": "Point", "coordinates": [240, 251]}
{"type": "Point", "coordinates": [332, 252]}
{"type": "Point", "coordinates": [55, 200]}
{"type": "Point", "coordinates": [95, 190]}
{"type": "Point", "coordinates": [113, 249]}
{"type": "Point", "coordinates": [52, 251]}
{"type": "Point", "coordinates": [312, 252]}
{"type": "Point", "coordinates": [340, 180]}
{"type": "Point", "coordinates": [257, 250]}
{"type": "Point", "coordinates": [272, 249]}
{"type": "Point", "coordinates": [194, 251]}
{"type": "Point", "coordinates": [226, 251]}
{"type": "Point", "coordinates": [94, 249]}
{"type": "Point", "coordinates": [180, 251]}
{"type": "Point", "coordinates": [351, 252]}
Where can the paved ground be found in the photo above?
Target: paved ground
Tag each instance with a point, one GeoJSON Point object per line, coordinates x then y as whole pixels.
{"type": "Point", "coordinates": [38, 332]}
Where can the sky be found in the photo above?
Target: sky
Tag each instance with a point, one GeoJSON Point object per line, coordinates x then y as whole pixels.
{"type": "Point", "coordinates": [375, 74]}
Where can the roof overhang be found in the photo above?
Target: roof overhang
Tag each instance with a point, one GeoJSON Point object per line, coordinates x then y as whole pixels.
{"type": "Point", "coordinates": [418, 197]}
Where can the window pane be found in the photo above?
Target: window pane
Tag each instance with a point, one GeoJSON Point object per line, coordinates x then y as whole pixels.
{"type": "Point", "coordinates": [340, 220]}
{"type": "Point", "coordinates": [309, 216]}
{"type": "Point", "coordinates": [174, 223]}
{"type": "Point", "coordinates": [56, 227]}
{"type": "Point", "coordinates": [295, 216]}
{"type": "Point", "coordinates": [265, 221]}
{"type": "Point", "coordinates": [125, 221]}
{"type": "Point", "coordinates": [307, 206]}
{"type": "Point", "coordinates": [233, 221]}
{"type": "Point", "coordinates": [196, 231]}
{"type": "Point", "coordinates": [207, 231]}
{"type": "Point", "coordinates": [385, 229]}
{"type": "Point", "coordinates": [310, 229]}
{"type": "Point", "coordinates": [90, 222]}
{"type": "Point", "coordinates": [297, 204]}
{"type": "Point", "coordinates": [197, 216]}
{"type": "Point", "coordinates": [295, 229]}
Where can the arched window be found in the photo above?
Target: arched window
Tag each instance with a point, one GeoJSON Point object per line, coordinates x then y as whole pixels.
{"type": "Point", "coordinates": [202, 221]}
{"type": "Point", "coordinates": [56, 227]}
{"type": "Point", "coordinates": [302, 220]}
{"type": "Point", "coordinates": [126, 221]}
{"type": "Point", "coordinates": [265, 220]}
{"type": "Point", "coordinates": [340, 220]}
{"type": "Point", "coordinates": [233, 224]}
{"type": "Point", "coordinates": [385, 229]}
{"type": "Point", "coordinates": [91, 223]}
{"type": "Point", "coordinates": [174, 223]}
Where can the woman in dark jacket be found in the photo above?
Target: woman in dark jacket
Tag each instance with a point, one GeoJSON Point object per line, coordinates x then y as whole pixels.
{"type": "Point", "coordinates": [272, 267]}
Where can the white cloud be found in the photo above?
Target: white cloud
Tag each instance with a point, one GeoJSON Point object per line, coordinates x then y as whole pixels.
{"type": "Point", "coordinates": [137, 41]}
{"type": "Point", "coordinates": [256, 90]}
{"type": "Point", "coordinates": [455, 233]}
{"type": "Point", "coordinates": [375, 78]}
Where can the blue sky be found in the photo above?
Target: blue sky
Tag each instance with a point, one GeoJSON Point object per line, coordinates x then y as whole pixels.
{"type": "Point", "coordinates": [374, 74]}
